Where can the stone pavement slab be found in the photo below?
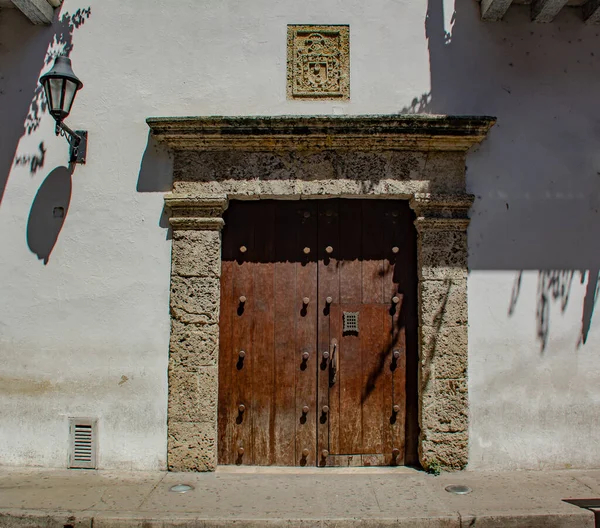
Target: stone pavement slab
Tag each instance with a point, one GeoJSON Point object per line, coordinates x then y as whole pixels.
{"type": "Point", "coordinates": [293, 497]}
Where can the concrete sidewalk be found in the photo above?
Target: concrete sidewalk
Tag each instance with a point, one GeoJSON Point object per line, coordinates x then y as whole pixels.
{"type": "Point", "coordinates": [294, 497]}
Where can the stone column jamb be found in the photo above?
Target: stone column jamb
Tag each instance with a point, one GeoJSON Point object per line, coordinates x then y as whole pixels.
{"type": "Point", "coordinates": [194, 345]}
{"type": "Point", "coordinates": [441, 222]}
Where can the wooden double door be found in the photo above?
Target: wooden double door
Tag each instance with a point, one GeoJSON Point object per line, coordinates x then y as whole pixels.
{"type": "Point", "coordinates": [318, 352]}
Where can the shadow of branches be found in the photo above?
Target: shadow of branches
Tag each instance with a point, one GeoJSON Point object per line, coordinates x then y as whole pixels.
{"type": "Point", "coordinates": [429, 349]}
{"type": "Point", "coordinates": [62, 44]}
{"type": "Point", "coordinates": [34, 161]}
{"type": "Point", "coordinates": [589, 302]}
{"type": "Point", "coordinates": [26, 51]}
{"type": "Point", "coordinates": [554, 287]}
{"type": "Point", "coordinates": [479, 68]}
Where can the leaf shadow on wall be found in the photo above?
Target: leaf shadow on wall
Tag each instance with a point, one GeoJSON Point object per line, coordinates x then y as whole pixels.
{"type": "Point", "coordinates": [49, 212]}
{"type": "Point", "coordinates": [554, 287]}
{"type": "Point", "coordinates": [26, 50]}
{"type": "Point", "coordinates": [535, 177]}
{"type": "Point", "coordinates": [35, 162]}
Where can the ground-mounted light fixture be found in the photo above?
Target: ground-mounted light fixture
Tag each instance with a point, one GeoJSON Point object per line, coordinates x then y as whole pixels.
{"type": "Point", "coordinates": [61, 85]}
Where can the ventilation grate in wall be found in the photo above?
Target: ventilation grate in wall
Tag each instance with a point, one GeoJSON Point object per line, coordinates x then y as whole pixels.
{"type": "Point", "coordinates": [83, 435]}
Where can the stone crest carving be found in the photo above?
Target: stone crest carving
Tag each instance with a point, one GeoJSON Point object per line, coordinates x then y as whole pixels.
{"type": "Point", "coordinates": [318, 62]}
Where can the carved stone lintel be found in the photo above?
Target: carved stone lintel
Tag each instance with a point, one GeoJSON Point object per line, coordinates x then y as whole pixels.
{"type": "Point", "coordinates": [196, 211]}
{"type": "Point", "coordinates": [301, 133]}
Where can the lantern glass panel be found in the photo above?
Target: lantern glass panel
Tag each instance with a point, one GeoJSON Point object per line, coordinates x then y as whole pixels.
{"type": "Point", "coordinates": [56, 89]}
{"type": "Point", "coordinates": [48, 91]}
{"type": "Point", "coordinates": [70, 91]}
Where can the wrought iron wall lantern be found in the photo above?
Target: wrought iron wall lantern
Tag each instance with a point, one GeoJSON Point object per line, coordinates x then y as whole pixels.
{"type": "Point", "coordinates": [61, 85]}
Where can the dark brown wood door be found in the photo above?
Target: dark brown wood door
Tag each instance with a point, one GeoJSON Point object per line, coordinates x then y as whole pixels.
{"type": "Point", "coordinates": [295, 386]}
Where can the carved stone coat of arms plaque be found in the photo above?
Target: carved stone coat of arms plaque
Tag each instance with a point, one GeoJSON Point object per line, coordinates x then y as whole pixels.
{"type": "Point", "coordinates": [318, 62]}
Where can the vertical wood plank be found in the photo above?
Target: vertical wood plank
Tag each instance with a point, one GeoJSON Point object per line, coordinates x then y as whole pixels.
{"type": "Point", "coordinates": [226, 352]}
{"type": "Point", "coordinates": [350, 357]}
{"type": "Point", "coordinates": [350, 378]}
{"type": "Point", "coordinates": [284, 427]}
{"type": "Point", "coordinates": [374, 354]}
{"type": "Point", "coordinates": [335, 418]}
{"type": "Point", "coordinates": [398, 420]}
{"type": "Point", "coordinates": [350, 214]}
{"type": "Point", "coordinates": [389, 418]}
{"type": "Point", "coordinates": [377, 381]}
{"type": "Point", "coordinates": [393, 237]}
{"type": "Point", "coordinates": [263, 360]}
{"type": "Point", "coordinates": [408, 284]}
{"type": "Point", "coordinates": [392, 230]}
{"type": "Point", "coordinates": [400, 281]}
{"type": "Point", "coordinates": [306, 334]}
{"type": "Point", "coordinates": [328, 286]}
{"type": "Point", "coordinates": [373, 232]}
{"type": "Point", "coordinates": [242, 336]}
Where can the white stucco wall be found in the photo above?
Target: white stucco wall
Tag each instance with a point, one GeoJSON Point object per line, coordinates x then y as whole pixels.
{"type": "Point", "coordinates": [86, 334]}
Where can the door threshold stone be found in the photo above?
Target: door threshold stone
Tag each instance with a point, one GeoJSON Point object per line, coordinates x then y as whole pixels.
{"type": "Point", "coordinates": [295, 470]}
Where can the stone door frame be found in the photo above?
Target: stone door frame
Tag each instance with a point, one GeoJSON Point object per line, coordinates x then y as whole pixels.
{"type": "Point", "coordinates": [415, 158]}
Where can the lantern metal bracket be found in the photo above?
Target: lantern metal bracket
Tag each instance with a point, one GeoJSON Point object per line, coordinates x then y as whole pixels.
{"type": "Point", "coordinates": [77, 140]}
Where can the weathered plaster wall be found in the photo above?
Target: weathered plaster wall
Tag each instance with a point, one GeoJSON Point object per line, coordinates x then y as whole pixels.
{"type": "Point", "coordinates": [87, 333]}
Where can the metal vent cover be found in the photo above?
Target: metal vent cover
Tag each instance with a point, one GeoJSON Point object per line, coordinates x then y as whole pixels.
{"type": "Point", "coordinates": [82, 443]}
